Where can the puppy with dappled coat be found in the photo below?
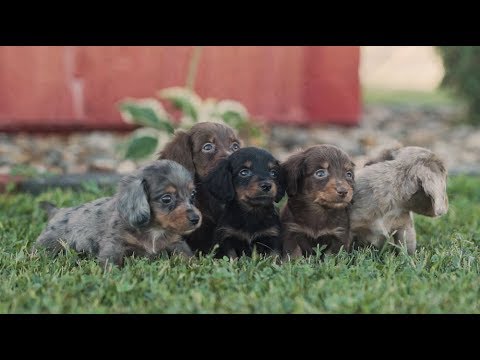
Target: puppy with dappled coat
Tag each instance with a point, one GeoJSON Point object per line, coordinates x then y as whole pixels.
{"type": "Point", "coordinates": [392, 186]}
{"type": "Point", "coordinates": [150, 211]}
{"type": "Point", "coordinates": [320, 183]}
{"type": "Point", "coordinates": [200, 149]}
{"type": "Point", "coordinates": [249, 182]}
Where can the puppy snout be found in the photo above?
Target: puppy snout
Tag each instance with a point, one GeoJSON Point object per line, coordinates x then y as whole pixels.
{"type": "Point", "coordinates": [442, 210]}
{"type": "Point", "coordinates": [224, 155]}
{"type": "Point", "coordinates": [342, 191]}
{"type": "Point", "coordinates": [193, 217]}
{"type": "Point", "coordinates": [265, 186]}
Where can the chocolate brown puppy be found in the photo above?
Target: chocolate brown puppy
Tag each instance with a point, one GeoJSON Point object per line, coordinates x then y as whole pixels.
{"type": "Point", "coordinates": [320, 184]}
{"type": "Point", "coordinates": [200, 149]}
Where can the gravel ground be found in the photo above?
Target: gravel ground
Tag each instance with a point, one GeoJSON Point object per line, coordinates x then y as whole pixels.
{"type": "Point", "coordinates": [381, 126]}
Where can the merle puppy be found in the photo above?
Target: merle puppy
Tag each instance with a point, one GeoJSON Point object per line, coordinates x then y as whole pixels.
{"type": "Point", "coordinates": [249, 182]}
{"type": "Point", "coordinates": [152, 208]}
{"type": "Point", "coordinates": [392, 187]}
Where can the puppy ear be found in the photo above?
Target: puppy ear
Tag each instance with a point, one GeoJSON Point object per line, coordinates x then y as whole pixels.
{"type": "Point", "coordinates": [385, 155]}
{"type": "Point", "coordinates": [282, 185]}
{"type": "Point", "coordinates": [293, 171]}
{"type": "Point", "coordinates": [431, 198]}
{"type": "Point", "coordinates": [219, 182]}
{"type": "Point", "coordinates": [180, 150]}
{"type": "Point", "coordinates": [132, 204]}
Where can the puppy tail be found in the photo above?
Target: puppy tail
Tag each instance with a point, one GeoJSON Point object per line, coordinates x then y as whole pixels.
{"type": "Point", "coordinates": [49, 208]}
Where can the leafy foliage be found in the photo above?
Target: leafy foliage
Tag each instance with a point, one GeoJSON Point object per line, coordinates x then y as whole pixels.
{"type": "Point", "coordinates": [462, 75]}
{"type": "Point", "coordinates": [151, 115]}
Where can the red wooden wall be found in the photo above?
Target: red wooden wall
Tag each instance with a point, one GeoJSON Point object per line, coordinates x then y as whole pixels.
{"type": "Point", "coordinates": [77, 87]}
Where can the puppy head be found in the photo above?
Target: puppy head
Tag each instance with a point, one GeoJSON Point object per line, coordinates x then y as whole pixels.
{"type": "Point", "coordinates": [202, 147]}
{"type": "Point", "coordinates": [424, 178]}
{"type": "Point", "coordinates": [322, 174]}
{"type": "Point", "coordinates": [251, 175]}
{"type": "Point", "coordinates": [159, 195]}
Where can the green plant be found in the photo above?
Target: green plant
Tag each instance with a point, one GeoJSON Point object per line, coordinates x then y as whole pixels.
{"type": "Point", "coordinates": [462, 75]}
{"type": "Point", "coordinates": [185, 108]}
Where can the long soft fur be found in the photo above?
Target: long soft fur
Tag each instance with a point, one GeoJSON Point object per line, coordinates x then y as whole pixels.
{"type": "Point", "coordinates": [250, 220]}
{"type": "Point", "coordinates": [187, 148]}
{"type": "Point", "coordinates": [135, 221]}
{"type": "Point", "coordinates": [399, 182]}
{"type": "Point", "coordinates": [316, 213]}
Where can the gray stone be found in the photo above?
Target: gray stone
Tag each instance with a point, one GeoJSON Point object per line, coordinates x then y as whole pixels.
{"type": "Point", "coordinates": [126, 167]}
{"type": "Point", "coordinates": [102, 164]}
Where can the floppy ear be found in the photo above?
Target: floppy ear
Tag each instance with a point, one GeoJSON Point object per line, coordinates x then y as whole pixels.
{"type": "Point", "coordinates": [431, 197]}
{"type": "Point", "coordinates": [219, 182]}
{"type": "Point", "coordinates": [180, 150]}
{"type": "Point", "coordinates": [282, 185]}
{"type": "Point", "coordinates": [293, 171]}
{"type": "Point", "coordinates": [132, 204]}
{"type": "Point", "coordinates": [385, 155]}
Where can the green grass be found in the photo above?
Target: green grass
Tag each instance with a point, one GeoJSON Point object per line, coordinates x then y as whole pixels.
{"type": "Point", "coordinates": [408, 97]}
{"type": "Point", "coordinates": [443, 277]}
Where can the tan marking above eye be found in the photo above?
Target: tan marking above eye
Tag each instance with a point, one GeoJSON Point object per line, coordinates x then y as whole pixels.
{"type": "Point", "coordinates": [324, 165]}
{"type": "Point", "coordinates": [170, 189]}
{"type": "Point", "coordinates": [247, 163]}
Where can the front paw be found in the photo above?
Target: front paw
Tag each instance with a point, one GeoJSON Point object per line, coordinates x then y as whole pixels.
{"type": "Point", "coordinates": [181, 249]}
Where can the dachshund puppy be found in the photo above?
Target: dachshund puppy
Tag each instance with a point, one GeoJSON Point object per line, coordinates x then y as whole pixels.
{"type": "Point", "coordinates": [152, 208]}
{"type": "Point", "coordinates": [390, 188]}
{"type": "Point", "coordinates": [199, 150]}
{"type": "Point", "coordinates": [248, 182]}
{"type": "Point", "coordinates": [320, 183]}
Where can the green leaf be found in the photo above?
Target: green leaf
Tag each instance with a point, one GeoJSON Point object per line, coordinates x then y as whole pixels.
{"type": "Point", "coordinates": [185, 100]}
{"type": "Point", "coordinates": [185, 107]}
{"type": "Point", "coordinates": [234, 119]}
{"type": "Point", "coordinates": [141, 147]}
{"type": "Point", "coordinates": [146, 116]}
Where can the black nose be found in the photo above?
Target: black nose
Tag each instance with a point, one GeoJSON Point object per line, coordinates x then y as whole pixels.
{"type": "Point", "coordinates": [342, 192]}
{"type": "Point", "coordinates": [265, 187]}
{"type": "Point", "coordinates": [193, 218]}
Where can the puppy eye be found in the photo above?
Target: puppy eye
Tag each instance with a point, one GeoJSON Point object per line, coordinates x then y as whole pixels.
{"type": "Point", "coordinates": [208, 147]}
{"type": "Point", "coordinates": [273, 173]}
{"type": "Point", "coordinates": [193, 194]}
{"type": "Point", "coordinates": [349, 175]}
{"type": "Point", "coordinates": [321, 173]}
{"type": "Point", "coordinates": [245, 172]}
{"type": "Point", "coordinates": [166, 199]}
{"type": "Point", "coordinates": [235, 146]}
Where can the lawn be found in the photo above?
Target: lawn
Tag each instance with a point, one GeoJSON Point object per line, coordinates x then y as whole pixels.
{"type": "Point", "coordinates": [443, 277]}
{"type": "Point", "coordinates": [409, 97]}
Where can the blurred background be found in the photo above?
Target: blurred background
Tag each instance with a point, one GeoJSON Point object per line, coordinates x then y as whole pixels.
{"type": "Point", "coordinates": [99, 112]}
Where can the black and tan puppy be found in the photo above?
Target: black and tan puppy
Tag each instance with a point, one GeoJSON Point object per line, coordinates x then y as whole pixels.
{"type": "Point", "coordinates": [199, 150]}
{"type": "Point", "coordinates": [320, 183]}
{"type": "Point", "coordinates": [248, 182]}
{"type": "Point", "coordinates": [152, 208]}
